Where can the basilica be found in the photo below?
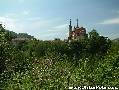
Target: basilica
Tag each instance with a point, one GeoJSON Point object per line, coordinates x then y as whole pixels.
{"type": "Point", "coordinates": [76, 33]}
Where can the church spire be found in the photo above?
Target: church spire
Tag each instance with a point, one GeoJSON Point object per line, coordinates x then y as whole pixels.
{"type": "Point", "coordinates": [77, 23]}
{"type": "Point", "coordinates": [70, 22]}
{"type": "Point", "coordinates": [70, 27]}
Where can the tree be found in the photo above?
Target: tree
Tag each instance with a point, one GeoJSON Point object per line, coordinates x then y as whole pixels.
{"type": "Point", "coordinates": [5, 48]}
{"type": "Point", "coordinates": [98, 44]}
{"type": "Point", "coordinates": [93, 34]}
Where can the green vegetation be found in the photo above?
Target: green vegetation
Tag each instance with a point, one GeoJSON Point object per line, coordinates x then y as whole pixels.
{"type": "Point", "coordinates": [19, 35]}
{"type": "Point", "coordinates": [56, 65]}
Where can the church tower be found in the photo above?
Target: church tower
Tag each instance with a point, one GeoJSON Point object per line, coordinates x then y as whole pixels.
{"type": "Point", "coordinates": [70, 28]}
{"type": "Point", "coordinates": [78, 33]}
{"type": "Point", "coordinates": [77, 24]}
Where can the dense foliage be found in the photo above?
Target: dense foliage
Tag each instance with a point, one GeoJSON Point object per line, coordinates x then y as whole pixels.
{"type": "Point", "coordinates": [55, 65]}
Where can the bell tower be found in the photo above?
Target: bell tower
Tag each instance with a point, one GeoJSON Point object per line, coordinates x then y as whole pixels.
{"type": "Point", "coordinates": [77, 23]}
{"type": "Point", "coordinates": [70, 28]}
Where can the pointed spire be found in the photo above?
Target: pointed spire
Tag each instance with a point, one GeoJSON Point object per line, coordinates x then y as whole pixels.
{"type": "Point", "coordinates": [77, 23]}
{"type": "Point", "coordinates": [70, 22]}
{"type": "Point", "coordinates": [70, 27]}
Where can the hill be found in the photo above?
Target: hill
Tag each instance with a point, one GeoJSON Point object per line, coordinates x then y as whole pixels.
{"type": "Point", "coordinates": [14, 35]}
{"type": "Point", "coordinates": [116, 40]}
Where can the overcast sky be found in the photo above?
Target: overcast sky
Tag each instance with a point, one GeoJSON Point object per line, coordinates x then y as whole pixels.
{"type": "Point", "coordinates": [49, 19]}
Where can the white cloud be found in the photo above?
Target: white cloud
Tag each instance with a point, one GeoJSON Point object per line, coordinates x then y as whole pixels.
{"type": "Point", "coordinates": [36, 26]}
{"type": "Point", "coordinates": [14, 22]}
{"type": "Point", "coordinates": [12, 15]}
{"type": "Point", "coordinates": [18, 15]}
{"type": "Point", "coordinates": [111, 21]}
{"type": "Point", "coordinates": [11, 24]}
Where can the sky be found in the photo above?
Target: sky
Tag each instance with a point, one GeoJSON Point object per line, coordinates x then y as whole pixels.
{"type": "Point", "coordinates": [49, 19]}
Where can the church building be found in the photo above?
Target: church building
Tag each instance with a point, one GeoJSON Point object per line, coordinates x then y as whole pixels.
{"type": "Point", "coordinates": [76, 33]}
